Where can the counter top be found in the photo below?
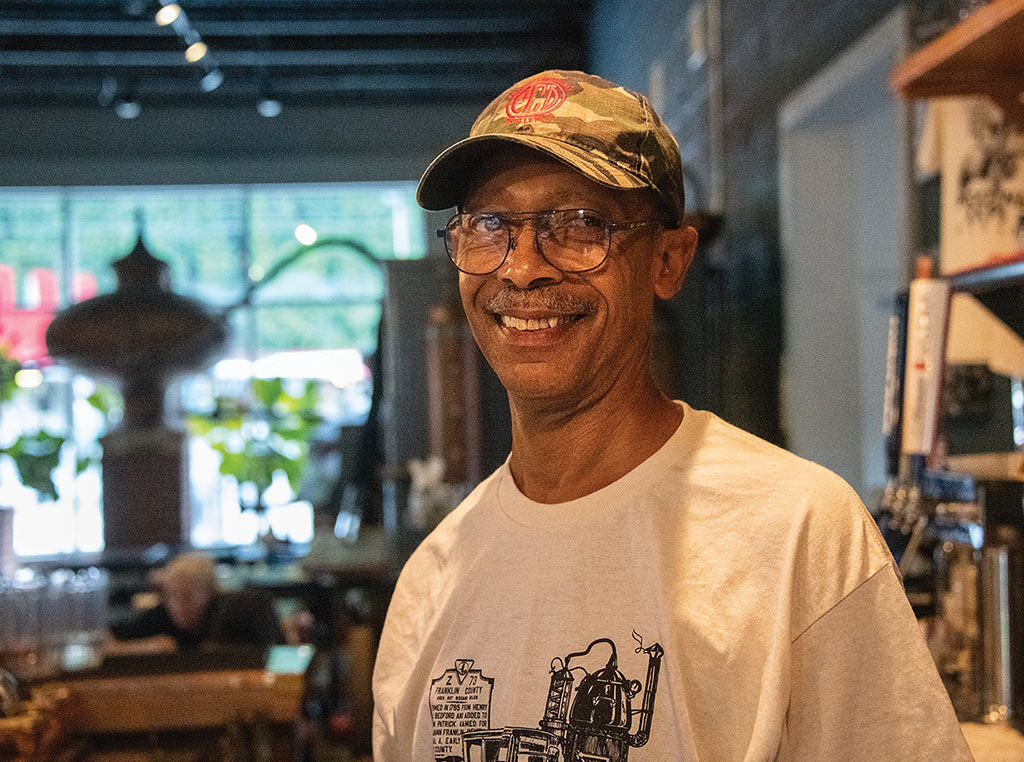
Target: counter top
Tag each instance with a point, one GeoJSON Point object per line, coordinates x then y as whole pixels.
{"type": "Point", "coordinates": [993, 743]}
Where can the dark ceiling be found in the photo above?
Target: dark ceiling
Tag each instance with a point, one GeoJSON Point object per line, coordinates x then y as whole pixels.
{"type": "Point", "coordinates": [80, 52]}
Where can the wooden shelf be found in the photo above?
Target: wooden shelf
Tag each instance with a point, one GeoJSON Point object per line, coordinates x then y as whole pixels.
{"type": "Point", "coordinates": [982, 55]}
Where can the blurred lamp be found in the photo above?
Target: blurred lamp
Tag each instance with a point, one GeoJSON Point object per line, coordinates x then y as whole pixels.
{"type": "Point", "coordinates": [211, 80]}
{"type": "Point", "coordinates": [28, 378]}
{"type": "Point", "coordinates": [195, 51]}
{"type": "Point", "coordinates": [168, 14]}
{"type": "Point", "coordinates": [269, 107]}
{"type": "Point", "coordinates": [305, 235]}
{"type": "Point", "coordinates": [128, 108]}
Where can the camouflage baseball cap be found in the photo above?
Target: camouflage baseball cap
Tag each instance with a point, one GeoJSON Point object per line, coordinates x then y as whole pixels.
{"type": "Point", "coordinates": [606, 132]}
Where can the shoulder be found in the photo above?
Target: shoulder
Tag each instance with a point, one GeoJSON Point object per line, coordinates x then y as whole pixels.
{"type": "Point", "coordinates": [717, 455]}
{"type": "Point", "coordinates": [786, 513]}
{"type": "Point", "coordinates": [429, 562]}
{"type": "Point", "coordinates": [778, 486]}
{"type": "Point", "coordinates": [416, 602]}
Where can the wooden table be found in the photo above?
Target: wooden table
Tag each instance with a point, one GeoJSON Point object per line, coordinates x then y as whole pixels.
{"type": "Point", "coordinates": [238, 713]}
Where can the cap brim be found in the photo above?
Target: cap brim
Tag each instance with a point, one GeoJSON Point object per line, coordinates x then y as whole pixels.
{"type": "Point", "coordinates": [443, 183]}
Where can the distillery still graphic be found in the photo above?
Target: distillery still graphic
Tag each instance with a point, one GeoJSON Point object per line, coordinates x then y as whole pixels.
{"type": "Point", "coordinates": [586, 722]}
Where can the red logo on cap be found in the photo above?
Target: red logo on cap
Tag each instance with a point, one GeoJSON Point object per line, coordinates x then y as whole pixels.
{"type": "Point", "coordinates": [535, 100]}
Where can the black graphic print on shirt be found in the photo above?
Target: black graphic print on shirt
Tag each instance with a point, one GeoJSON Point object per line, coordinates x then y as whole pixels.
{"type": "Point", "coordinates": [989, 170]}
{"type": "Point", "coordinates": [460, 701]}
{"type": "Point", "coordinates": [592, 721]}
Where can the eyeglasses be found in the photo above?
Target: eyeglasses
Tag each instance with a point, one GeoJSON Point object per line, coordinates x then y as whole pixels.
{"type": "Point", "coordinates": [572, 240]}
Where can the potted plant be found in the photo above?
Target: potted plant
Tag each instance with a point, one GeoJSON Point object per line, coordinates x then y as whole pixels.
{"type": "Point", "coordinates": [36, 453]}
{"type": "Point", "coordinates": [265, 432]}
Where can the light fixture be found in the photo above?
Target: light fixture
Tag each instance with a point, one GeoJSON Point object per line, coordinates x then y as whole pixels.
{"type": "Point", "coordinates": [127, 108]}
{"type": "Point", "coordinates": [195, 51]}
{"type": "Point", "coordinates": [305, 235]}
{"type": "Point", "coordinates": [211, 80]}
{"type": "Point", "coordinates": [28, 378]}
{"type": "Point", "coordinates": [269, 107]}
{"type": "Point", "coordinates": [121, 99]}
{"type": "Point", "coordinates": [107, 93]}
{"type": "Point", "coordinates": [168, 14]}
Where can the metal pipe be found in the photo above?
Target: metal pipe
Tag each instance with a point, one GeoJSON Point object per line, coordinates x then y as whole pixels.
{"type": "Point", "coordinates": [646, 711]}
{"type": "Point", "coordinates": [995, 610]}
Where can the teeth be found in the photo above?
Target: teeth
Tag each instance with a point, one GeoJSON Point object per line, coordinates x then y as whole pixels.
{"type": "Point", "coordinates": [533, 324]}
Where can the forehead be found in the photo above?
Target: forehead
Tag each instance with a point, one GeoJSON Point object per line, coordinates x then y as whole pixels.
{"type": "Point", "coordinates": [518, 179]}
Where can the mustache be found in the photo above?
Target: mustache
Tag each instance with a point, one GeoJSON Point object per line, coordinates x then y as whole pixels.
{"type": "Point", "coordinates": [548, 298]}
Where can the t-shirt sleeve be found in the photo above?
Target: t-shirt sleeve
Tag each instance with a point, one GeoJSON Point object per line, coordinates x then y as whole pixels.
{"type": "Point", "coordinates": [864, 686]}
{"type": "Point", "coordinates": [398, 660]}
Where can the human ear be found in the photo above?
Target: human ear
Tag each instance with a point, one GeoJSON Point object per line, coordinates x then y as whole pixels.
{"type": "Point", "coordinates": [674, 255]}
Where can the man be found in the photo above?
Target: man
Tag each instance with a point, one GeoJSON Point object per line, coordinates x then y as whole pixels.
{"type": "Point", "coordinates": [639, 580]}
{"type": "Point", "coordinates": [193, 612]}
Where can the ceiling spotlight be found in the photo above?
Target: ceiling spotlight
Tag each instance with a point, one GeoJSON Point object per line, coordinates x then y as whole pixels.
{"type": "Point", "coordinates": [211, 80]}
{"type": "Point", "coordinates": [168, 14]}
{"type": "Point", "coordinates": [269, 107]}
{"type": "Point", "coordinates": [195, 51]}
{"type": "Point", "coordinates": [127, 108]}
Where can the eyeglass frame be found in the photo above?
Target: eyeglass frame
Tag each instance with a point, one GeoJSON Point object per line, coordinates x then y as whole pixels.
{"type": "Point", "coordinates": [506, 217]}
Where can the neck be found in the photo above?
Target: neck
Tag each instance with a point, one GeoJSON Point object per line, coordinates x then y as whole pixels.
{"type": "Point", "coordinates": [561, 453]}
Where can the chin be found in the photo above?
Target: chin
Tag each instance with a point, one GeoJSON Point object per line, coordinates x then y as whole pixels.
{"type": "Point", "coordinates": [539, 386]}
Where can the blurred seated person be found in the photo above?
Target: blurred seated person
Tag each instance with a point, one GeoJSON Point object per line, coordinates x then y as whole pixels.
{"type": "Point", "coordinates": [193, 612]}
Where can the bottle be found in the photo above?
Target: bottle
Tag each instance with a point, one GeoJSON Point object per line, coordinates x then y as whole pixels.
{"type": "Point", "coordinates": [927, 323]}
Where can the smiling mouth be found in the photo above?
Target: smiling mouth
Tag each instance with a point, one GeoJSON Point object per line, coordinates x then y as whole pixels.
{"type": "Point", "coordinates": [537, 310]}
{"type": "Point", "coordinates": [535, 324]}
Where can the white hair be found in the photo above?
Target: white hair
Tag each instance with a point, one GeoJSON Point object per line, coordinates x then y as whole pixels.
{"type": "Point", "coordinates": [194, 567]}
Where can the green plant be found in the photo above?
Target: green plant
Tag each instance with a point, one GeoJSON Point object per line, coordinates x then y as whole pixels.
{"type": "Point", "coordinates": [9, 368]}
{"type": "Point", "coordinates": [36, 454]}
{"type": "Point", "coordinates": [266, 432]}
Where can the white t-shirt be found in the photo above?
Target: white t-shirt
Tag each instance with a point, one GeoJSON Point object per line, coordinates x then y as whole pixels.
{"type": "Point", "coordinates": [739, 596]}
{"type": "Point", "coordinates": [981, 161]}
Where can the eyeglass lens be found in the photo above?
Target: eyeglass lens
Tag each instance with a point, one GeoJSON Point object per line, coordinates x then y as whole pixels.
{"type": "Point", "coordinates": [571, 240]}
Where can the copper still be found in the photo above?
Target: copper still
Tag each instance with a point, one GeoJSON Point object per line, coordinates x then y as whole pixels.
{"type": "Point", "coordinates": [593, 724]}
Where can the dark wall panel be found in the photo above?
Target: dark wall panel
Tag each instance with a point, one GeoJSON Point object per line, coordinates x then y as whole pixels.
{"type": "Point", "coordinates": [768, 50]}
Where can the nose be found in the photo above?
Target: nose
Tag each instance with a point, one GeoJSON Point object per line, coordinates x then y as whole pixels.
{"type": "Point", "coordinates": [524, 265]}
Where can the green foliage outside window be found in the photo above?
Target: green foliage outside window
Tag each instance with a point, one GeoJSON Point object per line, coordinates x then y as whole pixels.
{"type": "Point", "coordinates": [218, 240]}
{"type": "Point", "coordinates": [327, 326]}
{"type": "Point", "coordinates": [267, 432]}
{"type": "Point", "coordinates": [210, 236]}
{"type": "Point", "coordinates": [30, 231]}
{"type": "Point", "coordinates": [37, 453]}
